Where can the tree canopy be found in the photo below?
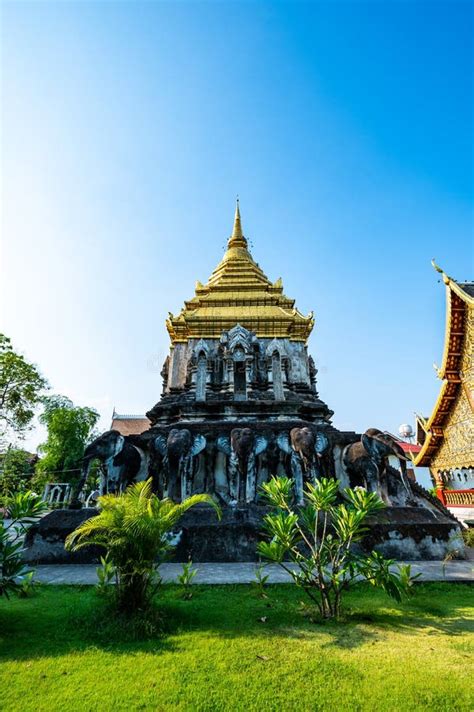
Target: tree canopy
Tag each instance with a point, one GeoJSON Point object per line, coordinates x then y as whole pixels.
{"type": "Point", "coordinates": [17, 468]}
{"type": "Point", "coordinates": [21, 389]}
{"type": "Point", "coordinates": [70, 429]}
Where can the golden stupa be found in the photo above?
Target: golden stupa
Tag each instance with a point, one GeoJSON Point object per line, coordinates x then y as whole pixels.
{"type": "Point", "coordinates": [239, 292]}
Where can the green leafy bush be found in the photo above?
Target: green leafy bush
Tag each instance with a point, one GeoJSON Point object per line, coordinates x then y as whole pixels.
{"type": "Point", "coordinates": [314, 542]}
{"type": "Point", "coordinates": [134, 528]}
{"type": "Point", "coordinates": [22, 509]}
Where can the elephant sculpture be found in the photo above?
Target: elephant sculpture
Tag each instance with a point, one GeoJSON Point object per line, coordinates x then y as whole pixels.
{"type": "Point", "coordinates": [122, 463]}
{"type": "Point", "coordinates": [242, 448]}
{"type": "Point", "coordinates": [178, 450]}
{"type": "Point", "coordinates": [306, 447]}
{"type": "Point", "coordinates": [368, 464]}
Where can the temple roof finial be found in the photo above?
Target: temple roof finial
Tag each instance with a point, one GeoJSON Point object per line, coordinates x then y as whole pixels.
{"type": "Point", "coordinates": [237, 238]}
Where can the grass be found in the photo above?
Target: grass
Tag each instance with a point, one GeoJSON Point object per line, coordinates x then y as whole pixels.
{"type": "Point", "coordinates": [228, 649]}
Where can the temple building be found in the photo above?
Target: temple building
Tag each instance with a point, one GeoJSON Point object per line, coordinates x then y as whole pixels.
{"type": "Point", "coordinates": [447, 436]}
{"type": "Point", "coordinates": [239, 405]}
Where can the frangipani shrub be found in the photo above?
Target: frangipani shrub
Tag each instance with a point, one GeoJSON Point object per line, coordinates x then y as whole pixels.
{"type": "Point", "coordinates": [317, 540]}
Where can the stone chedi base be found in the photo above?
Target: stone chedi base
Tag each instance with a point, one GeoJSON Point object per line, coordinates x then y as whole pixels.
{"type": "Point", "coordinates": [402, 533]}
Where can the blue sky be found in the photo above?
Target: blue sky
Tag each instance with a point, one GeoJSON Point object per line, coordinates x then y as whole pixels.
{"type": "Point", "coordinates": [129, 128]}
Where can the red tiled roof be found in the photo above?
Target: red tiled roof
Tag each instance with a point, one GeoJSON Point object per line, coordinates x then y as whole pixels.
{"type": "Point", "coordinates": [409, 447]}
{"type": "Point", "coordinates": [130, 424]}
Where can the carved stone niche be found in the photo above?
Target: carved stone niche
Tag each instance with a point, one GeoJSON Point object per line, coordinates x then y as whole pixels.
{"type": "Point", "coordinates": [239, 359]}
{"type": "Point", "coordinates": [277, 367]}
{"type": "Point", "coordinates": [200, 369]}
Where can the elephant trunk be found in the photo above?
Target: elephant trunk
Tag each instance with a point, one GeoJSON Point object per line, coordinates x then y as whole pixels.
{"type": "Point", "coordinates": [75, 502]}
{"type": "Point", "coordinates": [175, 467]}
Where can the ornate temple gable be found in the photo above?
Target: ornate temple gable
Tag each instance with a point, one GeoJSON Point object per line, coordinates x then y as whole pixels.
{"type": "Point", "coordinates": [238, 336]}
{"type": "Point", "coordinates": [239, 292]}
{"type": "Point", "coordinates": [447, 436]}
{"type": "Point", "coordinates": [201, 347]}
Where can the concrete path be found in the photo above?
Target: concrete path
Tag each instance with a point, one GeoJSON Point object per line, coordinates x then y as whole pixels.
{"type": "Point", "coordinates": [243, 573]}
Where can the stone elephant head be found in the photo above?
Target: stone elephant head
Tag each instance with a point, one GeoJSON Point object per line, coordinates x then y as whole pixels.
{"type": "Point", "coordinates": [306, 446]}
{"type": "Point", "coordinates": [178, 450]}
{"type": "Point", "coordinates": [122, 462]}
{"type": "Point", "coordinates": [367, 462]}
{"type": "Point", "coordinates": [242, 447]}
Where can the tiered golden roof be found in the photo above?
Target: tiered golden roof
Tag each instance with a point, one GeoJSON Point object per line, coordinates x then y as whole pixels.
{"type": "Point", "coordinates": [239, 292]}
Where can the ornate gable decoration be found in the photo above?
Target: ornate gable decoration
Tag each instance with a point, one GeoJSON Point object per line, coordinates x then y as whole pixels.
{"type": "Point", "coordinates": [239, 336]}
{"type": "Point", "coordinates": [456, 373]}
{"type": "Point", "coordinates": [276, 345]}
{"type": "Point", "coordinates": [201, 346]}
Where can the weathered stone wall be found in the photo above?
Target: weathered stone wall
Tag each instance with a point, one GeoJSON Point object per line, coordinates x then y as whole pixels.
{"type": "Point", "coordinates": [399, 533]}
{"type": "Point", "coordinates": [219, 353]}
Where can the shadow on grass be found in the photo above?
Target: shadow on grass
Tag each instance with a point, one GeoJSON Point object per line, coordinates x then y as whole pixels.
{"type": "Point", "coordinates": [62, 620]}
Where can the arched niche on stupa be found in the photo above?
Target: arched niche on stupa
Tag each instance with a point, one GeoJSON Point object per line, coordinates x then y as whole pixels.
{"type": "Point", "coordinates": [200, 359]}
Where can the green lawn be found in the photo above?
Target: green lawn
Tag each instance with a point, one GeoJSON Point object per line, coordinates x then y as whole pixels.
{"type": "Point", "coordinates": [227, 649]}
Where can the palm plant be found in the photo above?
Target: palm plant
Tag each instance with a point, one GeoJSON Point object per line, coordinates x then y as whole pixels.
{"type": "Point", "coordinates": [134, 528]}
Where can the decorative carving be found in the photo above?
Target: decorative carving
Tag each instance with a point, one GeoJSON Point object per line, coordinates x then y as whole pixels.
{"type": "Point", "coordinates": [122, 461]}
{"type": "Point", "coordinates": [242, 448]}
{"type": "Point", "coordinates": [449, 440]}
{"type": "Point", "coordinates": [239, 338]}
{"type": "Point", "coordinates": [276, 345]}
{"type": "Point", "coordinates": [306, 447]}
{"type": "Point", "coordinates": [178, 451]}
{"type": "Point", "coordinates": [201, 346]}
{"type": "Point", "coordinates": [368, 464]}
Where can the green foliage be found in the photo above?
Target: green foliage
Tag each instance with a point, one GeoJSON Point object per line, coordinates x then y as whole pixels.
{"type": "Point", "coordinates": [186, 579]}
{"type": "Point", "coordinates": [70, 429]}
{"type": "Point", "coordinates": [260, 581]}
{"type": "Point", "coordinates": [16, 471]}
{"type": "Point", "coordinates": [21, 387]}
{"type": "Point", "coordinates": [23, 509]}
{"type": "Point", "coordinates": [27, 585]}
{"type": "Point", "coordinates": [468, 536]}
{"type": "Point", "coordinates": [314, 543]}
{"type": "Point", "coordinates": [134, 528]}
{"type": "Point", "coordinates": [106, 573]}
{"type": "Point", "coordinates": [458, 543]}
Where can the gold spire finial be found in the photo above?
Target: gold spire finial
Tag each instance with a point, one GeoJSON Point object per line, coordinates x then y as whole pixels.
{"type": "Point", "coordinates": [237, 238]}
{"type": "Point", "coordinates": [446, 278]}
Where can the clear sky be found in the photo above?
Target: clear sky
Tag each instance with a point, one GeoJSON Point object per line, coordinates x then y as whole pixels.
{"type": "Point", "coordinates": [128, 129]}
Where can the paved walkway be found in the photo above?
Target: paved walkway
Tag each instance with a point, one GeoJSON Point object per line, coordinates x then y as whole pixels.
{"type": "Point", "coordinates": [243, 573]}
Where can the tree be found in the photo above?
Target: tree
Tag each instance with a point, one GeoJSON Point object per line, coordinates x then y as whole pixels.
{"type": "Point", "coordinates": [134, 528]}
{"type": "Point", "coordinates": [317, 539]}
{"type": "Point", "coordinates": [17, 468]}
{"type": "Point", "coordinates": [70, 429]}
{"type": "Point", "coordinates": [21, 387]}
